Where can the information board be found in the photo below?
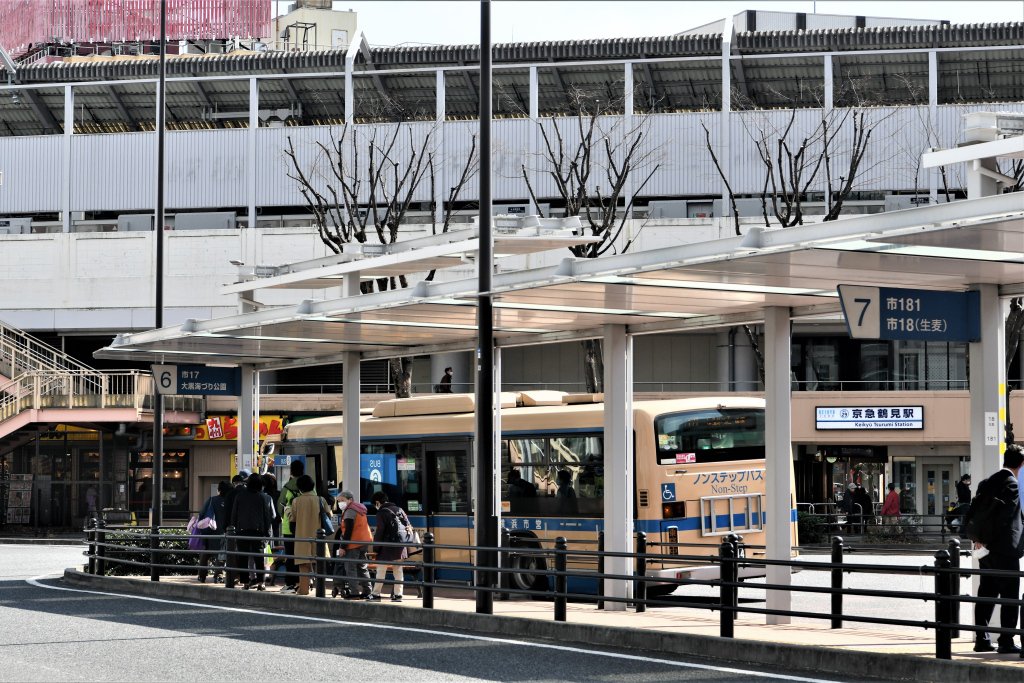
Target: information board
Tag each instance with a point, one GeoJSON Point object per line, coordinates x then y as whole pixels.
{"type": "Point", "coordinates": [911, 314]}
{"type": "Point", "coordinates": [197, 380]}
{"type": "Point", "coordinates": [869, 417]}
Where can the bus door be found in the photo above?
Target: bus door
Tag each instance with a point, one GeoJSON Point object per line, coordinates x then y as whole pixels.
{"type": "Point", "coordinates": [449, 476]}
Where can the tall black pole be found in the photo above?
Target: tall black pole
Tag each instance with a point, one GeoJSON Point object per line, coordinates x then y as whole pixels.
{"type": "Point", "coordinates": [486, 519]}
{"type": "Point", "coordinates": [158, 226]}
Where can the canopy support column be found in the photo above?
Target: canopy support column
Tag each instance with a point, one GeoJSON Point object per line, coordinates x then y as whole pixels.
{"type": "Point", "coordinates": [348, 478]}
{"type": "Point", "coordinates": [778, 443]}
{"type": "Point", "coordinates": [248, 417]}
{"type": "Point", "coordinates": [618, 461]}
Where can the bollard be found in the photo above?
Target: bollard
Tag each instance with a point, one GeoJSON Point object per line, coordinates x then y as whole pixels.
{"type": "Point", "coordinates": [837, 582]}
{"type": "Point", "coordinates": [954, 584]}
{"type": "Point", "coordinates": [600, 569]}
{"type": "Point", "coordinates": [561, 551]}
{"type": "Point", "coordinates": [321, 563]}
{"type": "Point", "coordinates": [91, 534]}
{"type": "Point", "coordinates": [943, 633]}
{"type": "Point", "coordinates": [727, 574]}
{"type": "Point", "coordinates": [503, 578]}
{"type": "Point", "coordinates": [428, 571]}
{"type": "Point", "coordinates": [641, 572]}
{"type": "Point", "coordinates": [231, 563]}
{"type": "Point", "coordinates": [154, 553]}
{"type": "Point", "coordinates": [101, 549]}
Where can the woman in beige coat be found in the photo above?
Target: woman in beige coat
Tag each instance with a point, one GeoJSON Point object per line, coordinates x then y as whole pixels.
{"type": "Point", "coordinates": [305, 516]}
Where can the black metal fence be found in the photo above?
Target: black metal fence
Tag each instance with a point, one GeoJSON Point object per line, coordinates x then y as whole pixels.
{"type": "Point", "coordinates": [146, 549]}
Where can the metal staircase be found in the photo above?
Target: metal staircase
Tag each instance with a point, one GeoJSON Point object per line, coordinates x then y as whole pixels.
{"type": "Point", "coordinates": [38, 377]}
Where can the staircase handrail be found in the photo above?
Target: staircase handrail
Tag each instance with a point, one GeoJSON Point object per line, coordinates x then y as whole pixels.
{"type": "Point", "coordinates": [41, 352]}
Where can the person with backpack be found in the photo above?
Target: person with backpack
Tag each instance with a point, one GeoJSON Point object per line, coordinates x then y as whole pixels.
{"type": "Point", "coordinates": [994, 524]}
{"type": "Point", "coordinates": [393, 526]}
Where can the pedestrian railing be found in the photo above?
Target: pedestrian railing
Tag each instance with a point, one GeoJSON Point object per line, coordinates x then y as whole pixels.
{"type": "Point", "coordinates": [146, 549]}
{"type": "Point", "coordinates": [908, 527]}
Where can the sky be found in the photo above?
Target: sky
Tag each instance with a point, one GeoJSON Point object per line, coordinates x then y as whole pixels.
{"type": "Point", "coordinates": [447, 23]}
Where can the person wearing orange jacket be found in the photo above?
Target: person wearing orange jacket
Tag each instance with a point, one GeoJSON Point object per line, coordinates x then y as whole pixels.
{"type": "Point", "coordinates": [352, 578]}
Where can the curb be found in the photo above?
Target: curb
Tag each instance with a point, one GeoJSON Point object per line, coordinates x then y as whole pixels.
{"type": "Point", "coordinates": [14, 540]}
{"type": "Point", "coordinates": [751, 652]}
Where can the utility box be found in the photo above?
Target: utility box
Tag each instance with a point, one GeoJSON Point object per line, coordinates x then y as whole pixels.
{"type": "Point", "coordinates": [667, 209]}
{"type": "Point", "coordinates": [136, 222]}
{"type": "Point", "coordinates": [219, 220]}
{"type": "Point", "coordinates": [15, 226]}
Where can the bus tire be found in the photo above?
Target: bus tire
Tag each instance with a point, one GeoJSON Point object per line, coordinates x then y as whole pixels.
{"type": "Point", "coordinates": [529, 568]}
{"type": "Point", "coordinates": [659, 591]}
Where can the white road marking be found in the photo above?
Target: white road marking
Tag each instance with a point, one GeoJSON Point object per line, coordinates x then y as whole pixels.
{"type": "Point", "coordinates": [35, 581]}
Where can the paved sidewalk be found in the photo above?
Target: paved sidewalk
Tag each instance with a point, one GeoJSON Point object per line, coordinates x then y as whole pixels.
{"type": "Point", "coordinates": [690, 621]}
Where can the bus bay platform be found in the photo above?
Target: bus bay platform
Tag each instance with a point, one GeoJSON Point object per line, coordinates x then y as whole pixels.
{"type": "Point", "coordinates": [811, 645]}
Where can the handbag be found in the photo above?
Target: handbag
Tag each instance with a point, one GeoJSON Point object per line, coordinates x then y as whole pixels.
{"type": "Point", "coordinates": [196, 541]}
{"type": "Point", "coordinates": [325, 518]}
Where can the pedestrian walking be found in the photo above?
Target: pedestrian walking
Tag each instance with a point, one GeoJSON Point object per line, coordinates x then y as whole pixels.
{"type": "Point", "coordinates": [290, 491]}
{"type": "Point", "coordinates": [891, 506]}
{"type": "Point", "coordinates": [445, 385]}
{"type": "Point", "coordinates": [253, 517]}
{"type": "Point", "coordinates": [389, 516]}
{"type": "Point", "coordinates": [216, 508]}
{"type": "Point", "coordinates": [354, 581]}
{"type": "Point", "coordinates": [305, 516]}
{"type": "Point", "coordinates": [1001, 545]}
{"type": "Point", "coordinates": [862, 498]}
{"type": "Point", "coordinates": [846, 507]}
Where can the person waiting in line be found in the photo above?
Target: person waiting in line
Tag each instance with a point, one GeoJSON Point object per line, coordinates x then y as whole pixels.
{"type": "Point", "coordinates": [237, 486]}
{"type": "Point", "coordinates": [253, 517]}
{"type": "Point", "coordinates": [891, 506]}
{"type": "Point", "coordinates": [305, 518]}
{"type": "Point", "coordinates": [213, 539]}
{"type": "Point", "coordinates": [289, 492]}
{"type": "Point", "coordinates": [1003, 552]}
{"type": "Point", "coordinates": [387, 554]}
{"type": "Point", "coordinates": [271, 491]}
{"type": "Point", "coordinates": [351, 577]}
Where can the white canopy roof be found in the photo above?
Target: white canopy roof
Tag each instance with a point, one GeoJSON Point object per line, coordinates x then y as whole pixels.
{"type": "Point", "coordinates": [702, 285]}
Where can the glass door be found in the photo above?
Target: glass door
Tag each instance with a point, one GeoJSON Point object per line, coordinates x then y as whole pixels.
{"type": "Point", "coordinates": [449, 478]}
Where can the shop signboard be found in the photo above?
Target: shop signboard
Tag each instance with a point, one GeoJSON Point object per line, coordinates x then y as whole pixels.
{"type": "Point", "coordinates": [911, 314]}
{"type": "Point", "coordinates": [225, 427]}
{"type": "Point", "coordinates": [869, 417]}
{"type": "Point", "coordinates": [19, 498]}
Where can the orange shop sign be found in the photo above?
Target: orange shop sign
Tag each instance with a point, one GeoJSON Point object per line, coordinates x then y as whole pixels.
{"type": "Point", "coordinates": [225, 427]}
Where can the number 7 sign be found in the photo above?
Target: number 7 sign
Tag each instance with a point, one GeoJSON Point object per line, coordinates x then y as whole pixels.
{"type": "Point", "coordinates": [861, 308]}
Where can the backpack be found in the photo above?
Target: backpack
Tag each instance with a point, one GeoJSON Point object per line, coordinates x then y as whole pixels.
{"type": "Point", "coordinates": [400, 530]}
{"type": "Point", "coordinates": [979, 523]}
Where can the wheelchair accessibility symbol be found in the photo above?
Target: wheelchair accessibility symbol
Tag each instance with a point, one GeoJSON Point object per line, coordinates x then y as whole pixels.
{"type": "Point", "coordinates": [668, 493]}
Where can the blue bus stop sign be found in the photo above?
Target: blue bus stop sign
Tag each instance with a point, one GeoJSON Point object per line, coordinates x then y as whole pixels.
{"type": "Point", "coordinates": [911, 314]}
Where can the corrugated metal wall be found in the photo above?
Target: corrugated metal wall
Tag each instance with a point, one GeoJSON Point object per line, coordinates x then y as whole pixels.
{"type": "Point", "coordinates": [32, 174]}
{"type": "Point", "coordinates": [209, 168]}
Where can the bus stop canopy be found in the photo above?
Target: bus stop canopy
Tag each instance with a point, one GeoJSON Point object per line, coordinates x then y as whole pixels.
{"type": "Point", "coordinates": [693, 286]}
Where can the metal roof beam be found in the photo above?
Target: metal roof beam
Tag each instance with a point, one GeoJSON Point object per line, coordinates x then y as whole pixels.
{"type": "Point", "coordinates": [378, 82]}
{"type": "Point", "coordinates": [123, 110]}
{"type": "Point", "coordinates": [558, 80]}
{"type": "Point", "coordinates": [468, 80]}
{"type": "Point", "coordinates": [741, 80]}
{"type": "Point", "coordinates": [43, 112]}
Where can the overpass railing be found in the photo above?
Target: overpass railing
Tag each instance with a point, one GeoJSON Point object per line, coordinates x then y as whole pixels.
{"type": "Point", "coordinates": [146, 552]}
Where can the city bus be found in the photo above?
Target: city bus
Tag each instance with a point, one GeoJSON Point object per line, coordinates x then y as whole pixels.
{"type": "Point", "coordinates": [699, 466]}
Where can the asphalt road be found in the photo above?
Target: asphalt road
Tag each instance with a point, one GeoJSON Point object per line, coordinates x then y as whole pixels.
{"type": "Point", "coordinates": [52, 632]}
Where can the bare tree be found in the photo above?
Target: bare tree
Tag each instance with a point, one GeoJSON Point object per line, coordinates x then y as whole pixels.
{"type": "Point", "coordinates": [827, 157]}
{"type": "Point", "coordinates": [596, 158]}
{"type": "Point", "coordinates": [363, 184]}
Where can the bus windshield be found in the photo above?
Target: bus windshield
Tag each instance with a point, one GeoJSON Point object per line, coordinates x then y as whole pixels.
{"type": "Point", "coordinates": [712, 435]}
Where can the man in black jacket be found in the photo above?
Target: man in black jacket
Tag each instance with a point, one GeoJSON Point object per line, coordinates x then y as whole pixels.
{"type": "Point", "coordinates": [1004, 553]}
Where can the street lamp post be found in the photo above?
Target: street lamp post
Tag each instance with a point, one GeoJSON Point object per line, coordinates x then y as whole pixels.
{"type": "Point", "coordinates": [157, 510]}
{"type": "Point", "coordinates": [486, 517]}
